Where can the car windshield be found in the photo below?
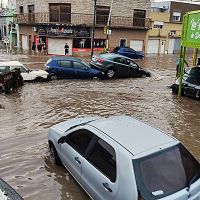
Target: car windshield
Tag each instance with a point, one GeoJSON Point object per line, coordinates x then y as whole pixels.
{"type": "Point", "coordinates": [3, 70]}
{"type": "Point", "coordinates": [166, 172]}
{"type": "Point", "coordinates": [195, 72]}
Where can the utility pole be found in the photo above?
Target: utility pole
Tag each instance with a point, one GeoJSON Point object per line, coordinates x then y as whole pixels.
{"type": "Point", "coordinates": [93, 28]}
{"type": "Point", "coordinates": [108, 25]}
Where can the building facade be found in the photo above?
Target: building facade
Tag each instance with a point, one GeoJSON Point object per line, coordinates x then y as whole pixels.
{"type": "Point", "coordinates": [70, 21]}
{"type": "Point", "coordinates": [165, 33]}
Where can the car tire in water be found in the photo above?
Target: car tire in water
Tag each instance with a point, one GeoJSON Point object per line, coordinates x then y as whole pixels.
{"type": "Point", "coordinates": [110, 73]}
{"type": "Point", "coordinates": [54, 77]}
{"type": "Point", "coordinates": [95, 78]}
{"type": "Point", "coordinates": [39, 79]}
{"type": "Point", "coordinates": [54, 155]}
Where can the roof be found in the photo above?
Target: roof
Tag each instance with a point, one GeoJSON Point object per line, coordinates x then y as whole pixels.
{"type": "Point", "coordinates": [65, 58]}
{"type": "Point", "coordinates": [10, 63]}
{"type": "Point", "coordinates": [177, 1]}
{"type": "Point", "coordinates": [112, 55]}
{"type": "Point", "coordinates": [134, 135]}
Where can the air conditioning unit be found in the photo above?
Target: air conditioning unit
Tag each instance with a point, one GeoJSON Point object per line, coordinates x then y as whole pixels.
{"type": "Point", "coordinates": [172, 33]}
{"type": "Point", "coordinates": [34, 29]}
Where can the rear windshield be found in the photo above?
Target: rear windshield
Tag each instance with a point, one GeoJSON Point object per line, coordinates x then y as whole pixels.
{"type": "Point", "coordinates": [4, 69]}
{"type": "Point", "coordinates": [107, 56]}
{"type": "Point", "coordinates": [195, 72]}
{"type": "Point", "coordinates": [166, 172]}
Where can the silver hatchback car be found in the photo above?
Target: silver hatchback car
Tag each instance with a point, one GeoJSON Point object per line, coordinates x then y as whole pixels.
{"type": "Point", "coordinates": [121, 158]}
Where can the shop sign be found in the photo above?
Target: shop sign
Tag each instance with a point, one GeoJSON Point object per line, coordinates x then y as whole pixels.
{"type": "Point", "coordinates": [191, 29]}
{"type": "Point", "coordinates": [82, 32]}
{"type": "Point", "coordinates": [42, 31]}
{"type": "Point", "coordinates": [60, 31]}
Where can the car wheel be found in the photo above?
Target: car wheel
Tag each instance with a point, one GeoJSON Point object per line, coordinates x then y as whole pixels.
{"type": "Point", "coordinates": [110, 73]}
{"type": "Point", "coordinates": [144, 75]}
{"type": "Point", "coordinates": [54, 77]}
{"type": "Point", "coordinates": [54, 155]}
{"type": "Point", "coordinates": [95, 78]}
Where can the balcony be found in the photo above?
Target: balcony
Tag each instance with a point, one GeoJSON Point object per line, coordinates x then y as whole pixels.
{"type": "Point", "coordinates": [75, 19]}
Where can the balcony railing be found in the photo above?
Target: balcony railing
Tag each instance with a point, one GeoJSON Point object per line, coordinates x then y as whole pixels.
{"type": "Point", "coordinates": [83, 19]}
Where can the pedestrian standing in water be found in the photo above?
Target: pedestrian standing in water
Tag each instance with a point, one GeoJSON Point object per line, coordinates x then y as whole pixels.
{"type": "Point", "coordinates": [39, 47]}
{"type": "Point", "coordinates": [66, 49]}
{"type": "Point", "coordinates": [33, 48]}
{"type": "Point", "coordinates": [45, 49]}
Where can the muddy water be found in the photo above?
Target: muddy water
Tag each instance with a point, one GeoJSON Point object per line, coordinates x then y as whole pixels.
{"type": "Point", "coordinates": [26, 115]}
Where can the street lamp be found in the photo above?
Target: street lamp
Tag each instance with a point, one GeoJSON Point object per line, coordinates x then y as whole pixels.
{"type": "Point", "coordinates": [93, 28]}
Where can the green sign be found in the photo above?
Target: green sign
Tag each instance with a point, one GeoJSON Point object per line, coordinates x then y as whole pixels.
{"type": "Point", "coordinates": [191, 30]}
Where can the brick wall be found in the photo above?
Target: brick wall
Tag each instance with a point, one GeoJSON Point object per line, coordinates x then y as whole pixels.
{"type": "Point", "coordinates": [120, 7]}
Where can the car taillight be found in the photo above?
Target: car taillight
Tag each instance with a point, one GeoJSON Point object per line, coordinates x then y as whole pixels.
{"type": "Point", "coordinates": [99, 60]}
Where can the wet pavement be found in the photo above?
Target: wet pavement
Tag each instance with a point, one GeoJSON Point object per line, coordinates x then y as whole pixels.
{"type": "Point", "coordinates": [26, 115]}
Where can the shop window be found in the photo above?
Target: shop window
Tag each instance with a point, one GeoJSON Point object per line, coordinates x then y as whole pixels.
{"type": "Point", "coordinates": [176, 17]}
{"type": "Point", "coordinates": [21, 10]}
{"type": "Point", "coordinates": [102, 14]}
{"type": "Point", "coordinates": [139, 17]}
{"type": "Point", "coordinates": [122, 42]}
{"type": "Point", "coordinates": [60, 12]}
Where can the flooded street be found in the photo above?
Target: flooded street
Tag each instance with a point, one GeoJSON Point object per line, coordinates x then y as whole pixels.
{"type": "Point", "coordinates": [26, 115]}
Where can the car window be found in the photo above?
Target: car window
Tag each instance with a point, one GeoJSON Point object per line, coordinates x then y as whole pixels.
{"type": "Point", "coordinates": [120, 60]}
{"type": "Point", "coordinates": [78, 65]}
{"type": "Point", "coordinates": [195, 72]}
{"type": "Point", "coordinates": [165, 172]}
{"type": "Point", "coordinates": [79, 140]}
{"type": "Point", "coordinates": [65, 63]}
{"type": "Point", "coordinates": [103, 157]}
{"type": "Point", "coordinates": [5, 69]}
{"type": "Point", "coordinates": [132, 64]}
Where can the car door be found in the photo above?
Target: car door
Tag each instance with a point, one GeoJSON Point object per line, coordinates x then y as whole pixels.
{"type": "Point", "coordinates": [73, 150]}
{"type": "Point", "coordinates": [81, 70]}
{"type": "Point", "coordinates": [26, 73]}
{"type": "Point", "coordinates": [65, 69]}
{"type": "Point", "coordinates": [123, 69]}
{"type": "Point", "coordinates": [99, 171]}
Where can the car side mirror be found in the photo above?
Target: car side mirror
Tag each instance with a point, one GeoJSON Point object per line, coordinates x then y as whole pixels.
{"type": "Point", "coordinates": [62, 140]}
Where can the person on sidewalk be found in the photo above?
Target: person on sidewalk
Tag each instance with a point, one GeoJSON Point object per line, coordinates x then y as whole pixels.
{"type": "Point", "coordinates": [66, 49]}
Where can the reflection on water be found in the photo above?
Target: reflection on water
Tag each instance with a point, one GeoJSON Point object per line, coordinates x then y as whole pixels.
{"type": "Point", "coordinates": [26, 115]}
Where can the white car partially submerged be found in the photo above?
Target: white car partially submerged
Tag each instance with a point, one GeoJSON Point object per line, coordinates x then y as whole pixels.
{"type": "Point", "coordinates": [27, 74]}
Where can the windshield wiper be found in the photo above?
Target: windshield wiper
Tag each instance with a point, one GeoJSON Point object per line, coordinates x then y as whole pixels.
{"type": "Point", "coordinates": [194, 178]}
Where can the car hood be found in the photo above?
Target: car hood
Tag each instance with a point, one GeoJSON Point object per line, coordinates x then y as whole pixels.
{"type": "Point", "coordinates": [64, 126]}
{"type": "Point", "coordinates": [39, 72]}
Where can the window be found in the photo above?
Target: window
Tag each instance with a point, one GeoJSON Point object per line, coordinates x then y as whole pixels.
{"type": "Point", "coordinates": [102, 13]}
{"type": "Point", "coordinates": [104, 159]}
{"type": "Point", "coordinates": [60, 12]}
{"type": "Point", "coordinates": [78, 65]}
{"type": "Point", "coordinates": [79, 140]}
{"type": "Point", "coordinates": [31, 15]}
{"type": "Point", "coordinates": [165, 172]}
{"type": "Point", "coordinates": [158, 24]}
{"type": "Point", "coordinates": [176, 16]}
{"type": "Point", "coordinates": [139, 17]}
{"type": "Point", "coordinates": [120, 60]}
{"type": "Point", "coordinates": [65, 64]}
{"type": "Point", "coordinates": [21, 10]}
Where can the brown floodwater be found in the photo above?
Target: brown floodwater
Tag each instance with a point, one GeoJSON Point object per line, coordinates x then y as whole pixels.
{"type": "Point", "coordinates": [26, 115]}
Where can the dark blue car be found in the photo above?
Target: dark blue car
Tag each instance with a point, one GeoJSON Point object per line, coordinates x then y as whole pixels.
{"type": "Point", "coordinates": [128, 52]}
{"type": "Point", "coordinates": [61, 67]}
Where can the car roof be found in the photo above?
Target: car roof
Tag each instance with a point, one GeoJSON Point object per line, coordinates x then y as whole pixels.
{"type": "Point", "coordinates": [132, 134]}
{"type": "Point", "coordinates": [65, 58]}
{"type": "Point", "coordinates": [113, 55]}
{"type": "Point", "coordinates": [11, 63]}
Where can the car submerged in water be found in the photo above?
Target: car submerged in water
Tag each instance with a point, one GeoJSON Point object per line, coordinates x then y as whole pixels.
{"type": "Point", "coordinates": [190, 83]}
{"type": "Point", "coordinates": [121, 158]}
{"type": "Point", "coordinates": [62, 67]}
{"type": "Point", "coordinates": [118, 66]}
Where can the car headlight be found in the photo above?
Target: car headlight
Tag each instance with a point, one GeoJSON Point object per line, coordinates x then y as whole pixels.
{"type": "Point", "coordinates": [102, 73]}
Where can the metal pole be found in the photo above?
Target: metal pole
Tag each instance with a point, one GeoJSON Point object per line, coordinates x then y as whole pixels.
{"type": "Point", "coordinates": [195, 57]}
{"type": "Point", "coordinates": [93, 29]}
{"type": "Point", "coordinates": [108, 25]}
{"type": "Point", "coordinates": [181, 70]}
